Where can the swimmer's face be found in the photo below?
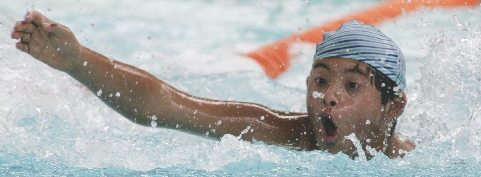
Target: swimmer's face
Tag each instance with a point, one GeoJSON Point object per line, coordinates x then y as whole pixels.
{"type": "Point", "coordinates": [342, 100]}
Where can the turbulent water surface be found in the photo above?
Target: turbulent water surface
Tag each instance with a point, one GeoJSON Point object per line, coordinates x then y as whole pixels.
{"type": "Point", "coordinates": [50, 125]}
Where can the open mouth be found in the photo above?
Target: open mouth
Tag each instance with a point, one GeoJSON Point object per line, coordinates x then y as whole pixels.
{"type": "Point", "coordinates": [329, 128]}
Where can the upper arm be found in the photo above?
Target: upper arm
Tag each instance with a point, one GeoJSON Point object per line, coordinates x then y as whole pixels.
{"type": "Point", "coordinates": [215, 118]}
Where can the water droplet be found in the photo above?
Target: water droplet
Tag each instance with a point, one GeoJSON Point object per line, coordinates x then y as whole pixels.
{"type": "Point", "coordinates": [154, 117]}
{"type": "Point", "coordinates": [262, 117]}
{"type": "Point", "coordinates": [368, 122]}
{"type": "Point", "coordinates": [306, 2]}
{"type": "Point", "coordinates": [219, 122]}
{"type": "Point", "coordinates": [153, 124]}
{"type": "Point", "coordinates": [85, 63]}
{"type": "Point", "coordinates": [307, 20]}
{"type": "Point", "coordinates": [383, 85]}
{"type": "Point", "coordinates": [58, 49]}
{"type": "Point", "coordinates": [299, 28]}
{"type": "Point", "coordinates": [317, 94]}
{"type": "Point", "coordinates": [371, 150]}
{"type": "Point", "coordinates": [455, 19]}
{"type": "Point", "coordinates": [117, 94]}
{"type": "Point", "coordinates": [99, 92]}
{"type": "Point", "coordinates": [149, 38]}
{"type": "Point", "coordinates": [195, 112]}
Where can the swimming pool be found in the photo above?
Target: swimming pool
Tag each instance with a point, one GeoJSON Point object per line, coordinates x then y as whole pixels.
{"type": "Point", "coordinates": [52, 126]}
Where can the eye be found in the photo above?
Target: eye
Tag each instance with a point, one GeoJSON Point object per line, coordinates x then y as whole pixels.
{"type": "Point", "coordinates": [353, 85]}
{"type": "Point", "coordinates": [320, 80]}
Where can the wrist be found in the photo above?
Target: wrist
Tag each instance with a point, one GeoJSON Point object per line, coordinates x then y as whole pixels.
{"type": "Point", "coordinates": [79, 63]}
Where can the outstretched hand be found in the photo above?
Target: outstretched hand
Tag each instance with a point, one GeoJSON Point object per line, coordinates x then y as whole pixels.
{"type": "Point", "coordinates": [47, 41]}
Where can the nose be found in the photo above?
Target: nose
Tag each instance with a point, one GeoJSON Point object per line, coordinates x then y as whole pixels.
{"type": "Point", "coordinates": [332, 96]}
{"type": "Point", "coordinates": [332, 103]}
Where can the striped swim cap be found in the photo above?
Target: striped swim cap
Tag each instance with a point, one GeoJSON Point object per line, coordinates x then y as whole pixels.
{"type": "Point", "coordinates": [355, 40]}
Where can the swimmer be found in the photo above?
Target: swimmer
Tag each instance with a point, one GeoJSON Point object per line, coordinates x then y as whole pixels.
{"type": "Point", "coordinates": [355, 88]}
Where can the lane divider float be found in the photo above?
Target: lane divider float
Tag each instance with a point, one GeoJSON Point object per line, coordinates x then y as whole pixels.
{"type": "Point", "coordinates": [274, 58]}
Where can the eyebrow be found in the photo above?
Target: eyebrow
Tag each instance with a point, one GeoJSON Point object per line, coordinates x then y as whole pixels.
{"type": "Point", "coordinates": [320, 65]}
{"type": "Point", "coordinates": [356, 70]}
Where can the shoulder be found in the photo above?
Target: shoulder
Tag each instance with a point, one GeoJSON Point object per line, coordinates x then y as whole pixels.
{"type": "Point", "coordinates": [400, 145]}
{"type": "Point", "coordinates": [297, 131]}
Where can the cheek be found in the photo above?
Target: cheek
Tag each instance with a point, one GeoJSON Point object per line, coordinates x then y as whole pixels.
{"type": "Point", "coordinates": [314, 98]}
{"type": "Point", "coordinates": [362, 114]}
{"type": "Point", "coordinates": [369, 100]}
{"type": "Point", "coordinates": [370, 116]}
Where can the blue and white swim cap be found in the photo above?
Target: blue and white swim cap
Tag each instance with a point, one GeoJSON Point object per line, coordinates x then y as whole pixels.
{"type": "Point", "coordinates": [355, 40]}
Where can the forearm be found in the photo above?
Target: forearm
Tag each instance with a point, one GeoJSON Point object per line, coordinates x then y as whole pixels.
{"type": "Point", "coordinates": [124, 88]}
{"type": "Point", "coordinates": [250, 121]}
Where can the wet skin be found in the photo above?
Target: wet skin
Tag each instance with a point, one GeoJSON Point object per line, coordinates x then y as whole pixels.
{"type": "Point", "coordinates": [143, 96]}
{"type": "Point", "coordinates": [349, 104]}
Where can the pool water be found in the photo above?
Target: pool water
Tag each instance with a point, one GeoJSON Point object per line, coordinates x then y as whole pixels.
{"type": "Point", "coordinates": [50, 125]}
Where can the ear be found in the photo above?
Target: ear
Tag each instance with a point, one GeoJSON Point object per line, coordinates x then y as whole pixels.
{"type": "Point", "coordinates": [395, 108]}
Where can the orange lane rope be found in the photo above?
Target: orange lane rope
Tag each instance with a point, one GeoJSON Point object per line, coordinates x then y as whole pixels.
{"type": "Point", "coordinates": [274, 58]}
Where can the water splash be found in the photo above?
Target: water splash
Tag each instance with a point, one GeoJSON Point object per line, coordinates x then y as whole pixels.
{"type": "Point", "coordinates": [357, 144]}
{"type": "Point", "coordinates": [317, 94]}
{"type": "Point", "coordinates": [449, 88]}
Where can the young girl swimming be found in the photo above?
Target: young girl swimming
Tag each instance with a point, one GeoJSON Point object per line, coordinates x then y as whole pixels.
{"type": "Point", "coordinates": [355, 88]}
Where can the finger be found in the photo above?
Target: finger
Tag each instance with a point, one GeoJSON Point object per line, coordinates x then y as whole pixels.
{"type": "Point", "coordinates": [16, 35]}
{"type": "Point", "coordinates": [36, 18]}
{"type": "Point", "coordinates": [22, 47]}
{"type": "Point", "coordinates": [24, 37]}
{"type": "Point", "coordinates": [25, 27]}
{"type": "Point", "coordinates": [48, 25]}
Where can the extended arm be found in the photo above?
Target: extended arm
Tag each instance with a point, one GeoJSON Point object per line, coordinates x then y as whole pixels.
{"type": "Point", "coordinates": [146, 100]}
